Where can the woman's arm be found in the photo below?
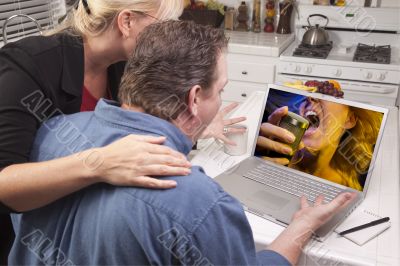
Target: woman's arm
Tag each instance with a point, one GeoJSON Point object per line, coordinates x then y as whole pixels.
{"type": "Point", "coordinates": [24, 105]}
{"type": "Point", "coordinates": [127, 162]}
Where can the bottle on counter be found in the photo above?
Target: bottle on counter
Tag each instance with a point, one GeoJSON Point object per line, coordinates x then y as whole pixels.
{"type": "Point", "coordinates": [324, 2]}
{"type": "Point", "coordinates": [269, 16]}
{"type": "Point", "coordinates": [243, 17]}
{"type": "Point", "coordinates": [340, 2]}
{"type": "Point", "coordinates": [257, 16]}
{"type": "Point", "coordinates": [229, 18]}
{"type": "Point", "coordinates": [285, 14]}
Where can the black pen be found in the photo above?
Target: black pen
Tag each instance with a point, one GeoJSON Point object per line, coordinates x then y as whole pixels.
{"type": "Point", "coordinates": [360, 227]}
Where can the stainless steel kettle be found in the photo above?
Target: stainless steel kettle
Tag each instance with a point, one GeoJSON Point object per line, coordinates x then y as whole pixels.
{"type": "Point", "coordinates": [316, 35]}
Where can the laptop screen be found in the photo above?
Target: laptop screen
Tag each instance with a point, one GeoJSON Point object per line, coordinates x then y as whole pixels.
{"type": "Point", "coordinates": [336, 141]}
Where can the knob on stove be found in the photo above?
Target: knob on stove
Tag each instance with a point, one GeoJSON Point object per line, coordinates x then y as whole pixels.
{"type": "Point", "coordinates": [381, 76]}
{"type": "Point", "coordinates": [368, 75]}
{"type": "Point", "coordinates": [309, 69]}
{"type": "Point", "coordinates": [296, 68]}
{"type": "Point", "coordinates": [337, 72]}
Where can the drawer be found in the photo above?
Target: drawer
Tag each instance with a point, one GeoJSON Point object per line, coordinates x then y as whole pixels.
{"type": "Point", "coordinates": [246, 68]}
{"type": "Point", "coordinates": [236, 91]}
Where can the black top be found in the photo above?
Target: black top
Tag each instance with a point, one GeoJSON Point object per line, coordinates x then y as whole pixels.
{"type": "Point", "coordinates": [40, 77]}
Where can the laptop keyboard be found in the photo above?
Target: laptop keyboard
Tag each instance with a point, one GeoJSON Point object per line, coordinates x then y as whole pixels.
{"type": "Point", "coordinates": [292, 183]}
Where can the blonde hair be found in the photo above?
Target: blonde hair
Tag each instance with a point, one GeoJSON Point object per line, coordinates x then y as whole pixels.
{"type": "Point", "coordinates": [103, 13]}
{"type": "Point", "coordinates": [354, 154]}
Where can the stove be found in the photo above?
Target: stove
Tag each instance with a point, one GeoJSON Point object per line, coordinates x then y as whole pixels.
{"type": "Point", "coordinates": [372, 54]}
{"type": "Point", "coordinates": [320, 51]}
{"type": "Point", "coordinates": [366, 63]}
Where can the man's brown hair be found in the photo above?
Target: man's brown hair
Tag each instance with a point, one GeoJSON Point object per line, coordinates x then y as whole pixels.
{"type": "Point", "coordinates": [169, 59]}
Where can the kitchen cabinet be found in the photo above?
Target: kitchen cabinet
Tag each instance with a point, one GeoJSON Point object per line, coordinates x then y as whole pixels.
{"type": "Point", "coordinates": [252, 60]}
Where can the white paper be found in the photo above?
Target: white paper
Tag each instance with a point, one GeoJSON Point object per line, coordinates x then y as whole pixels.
{"type": "Point", "coordinates": [360, 217]}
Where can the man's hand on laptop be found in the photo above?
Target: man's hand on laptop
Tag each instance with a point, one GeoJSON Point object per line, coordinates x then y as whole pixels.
{"type": "Point", "coordinates": [273, 138]}
{"type": "Point", "coordinates": [314, 216]}
{"type": "Point", "coordinates": [306, 221]}
{"type": "Point", "coordinates": [132, 160]}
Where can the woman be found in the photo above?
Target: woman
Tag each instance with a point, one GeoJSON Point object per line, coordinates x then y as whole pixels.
{"type": "Point", "coordinates": [338, 145]}
{"type": "Point", "coordinates": [67, 72]}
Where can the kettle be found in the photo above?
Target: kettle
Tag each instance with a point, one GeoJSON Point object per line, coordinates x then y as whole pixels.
{"type": "Point", "coordinates": [316, 35]}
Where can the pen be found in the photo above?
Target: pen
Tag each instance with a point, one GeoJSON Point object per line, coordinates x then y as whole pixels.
{"type": "Point", "coordinates": [360, 227]}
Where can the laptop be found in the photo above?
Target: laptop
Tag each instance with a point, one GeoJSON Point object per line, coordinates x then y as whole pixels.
{"type": "Point", "coordinates": [337, 154]}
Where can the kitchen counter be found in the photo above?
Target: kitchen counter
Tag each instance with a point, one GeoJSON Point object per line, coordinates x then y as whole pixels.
{"type": "Point", "coordinates": [260, 44]}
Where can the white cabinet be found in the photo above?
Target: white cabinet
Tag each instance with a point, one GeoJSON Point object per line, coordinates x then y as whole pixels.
{"type": "Point", "coordinates": [252, 62]}
{"type": "Point", "coordinates": [251, 68]}
{"type": "Point", "coordinates": [237, 91]}
{"type": "Point", "coordinates": [246, 74]}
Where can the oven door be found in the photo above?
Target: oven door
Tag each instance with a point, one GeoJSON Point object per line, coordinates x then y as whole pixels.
{"type": "Point", "coordinates": [366, 92]}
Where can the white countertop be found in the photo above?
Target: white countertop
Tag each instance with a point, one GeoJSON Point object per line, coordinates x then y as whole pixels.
{"type": "Point", "coordinates": [261, 44]}
{"type": "Point", "coordinates": [382, 198]}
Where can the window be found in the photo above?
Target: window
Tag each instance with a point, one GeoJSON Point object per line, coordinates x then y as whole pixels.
{"type": "Point", "coordinates": [45, 12]}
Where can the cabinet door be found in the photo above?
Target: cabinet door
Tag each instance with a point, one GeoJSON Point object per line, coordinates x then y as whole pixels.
{"type": "Point", "coordinates": [236, 91]}
{"type": "Point", "coordinates": [259, 69]}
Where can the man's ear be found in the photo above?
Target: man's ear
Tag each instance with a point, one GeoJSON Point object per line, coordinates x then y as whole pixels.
{"type": "Point", "coordinates": [194, 100]}
{"type": "Point", "coordinates": [125, 22]}
{"type": "Point", "coordinates": [350, 121]}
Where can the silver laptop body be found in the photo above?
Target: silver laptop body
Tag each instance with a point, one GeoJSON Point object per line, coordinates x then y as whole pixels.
{"type": "Point", "coordinates": [276, 198]}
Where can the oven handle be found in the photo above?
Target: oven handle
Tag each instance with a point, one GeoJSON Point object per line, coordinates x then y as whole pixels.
{"type": "Point", "coordinates": [347, 86]}
{"type": "Point", "coordinates": [379, 90]}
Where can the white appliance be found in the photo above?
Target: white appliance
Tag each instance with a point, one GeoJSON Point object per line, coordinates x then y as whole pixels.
{"type": "Point", "coordinates": [374, 83]}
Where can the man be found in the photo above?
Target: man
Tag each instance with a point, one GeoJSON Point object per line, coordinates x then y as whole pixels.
{"type": "Point", "coordinates": [171, 88]}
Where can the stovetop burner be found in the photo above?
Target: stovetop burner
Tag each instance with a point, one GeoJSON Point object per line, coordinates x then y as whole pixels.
{"type": "Point", "coordinates": [372, 54]}
{"type": "Point", "coordinates": [320, 51]}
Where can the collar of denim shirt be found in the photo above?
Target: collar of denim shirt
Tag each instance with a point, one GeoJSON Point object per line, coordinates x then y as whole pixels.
{"type": "Point", "coordinates": [142, 123]}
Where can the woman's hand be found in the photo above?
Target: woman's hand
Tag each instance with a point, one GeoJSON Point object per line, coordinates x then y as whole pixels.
{"type": "Point", "coordinates": [274, 138]}
{"type": "Point", "coordinates": [131, 161]}
{"type": "Point", "coordinates": [216, 128]}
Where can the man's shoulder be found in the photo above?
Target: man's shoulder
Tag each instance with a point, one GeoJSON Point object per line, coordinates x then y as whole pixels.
{"type": "Point", "coordinates": [63, 135]}
{"type": "Point", "coordinates": [195, 196]}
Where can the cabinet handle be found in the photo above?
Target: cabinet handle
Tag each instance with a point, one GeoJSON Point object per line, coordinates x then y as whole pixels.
{"type": "Point", "coordinates": [244, 95]}
{"type": "Point", "coordinates": [244, 72]}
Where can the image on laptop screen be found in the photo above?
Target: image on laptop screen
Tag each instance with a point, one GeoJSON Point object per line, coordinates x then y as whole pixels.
{"type": "Point", "coordinates": [338, 144]}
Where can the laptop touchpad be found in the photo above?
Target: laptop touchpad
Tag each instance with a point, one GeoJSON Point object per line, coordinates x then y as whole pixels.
{"type": "Point", "coordinates": [267, 200]}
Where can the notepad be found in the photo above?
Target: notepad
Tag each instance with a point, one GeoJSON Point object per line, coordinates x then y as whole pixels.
{"type": "Point", "coordinates": [359, 217]}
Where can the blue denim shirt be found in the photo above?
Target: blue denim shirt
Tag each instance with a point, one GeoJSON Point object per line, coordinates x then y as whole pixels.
{"type": "Point", "coordinates": [196, 223]}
